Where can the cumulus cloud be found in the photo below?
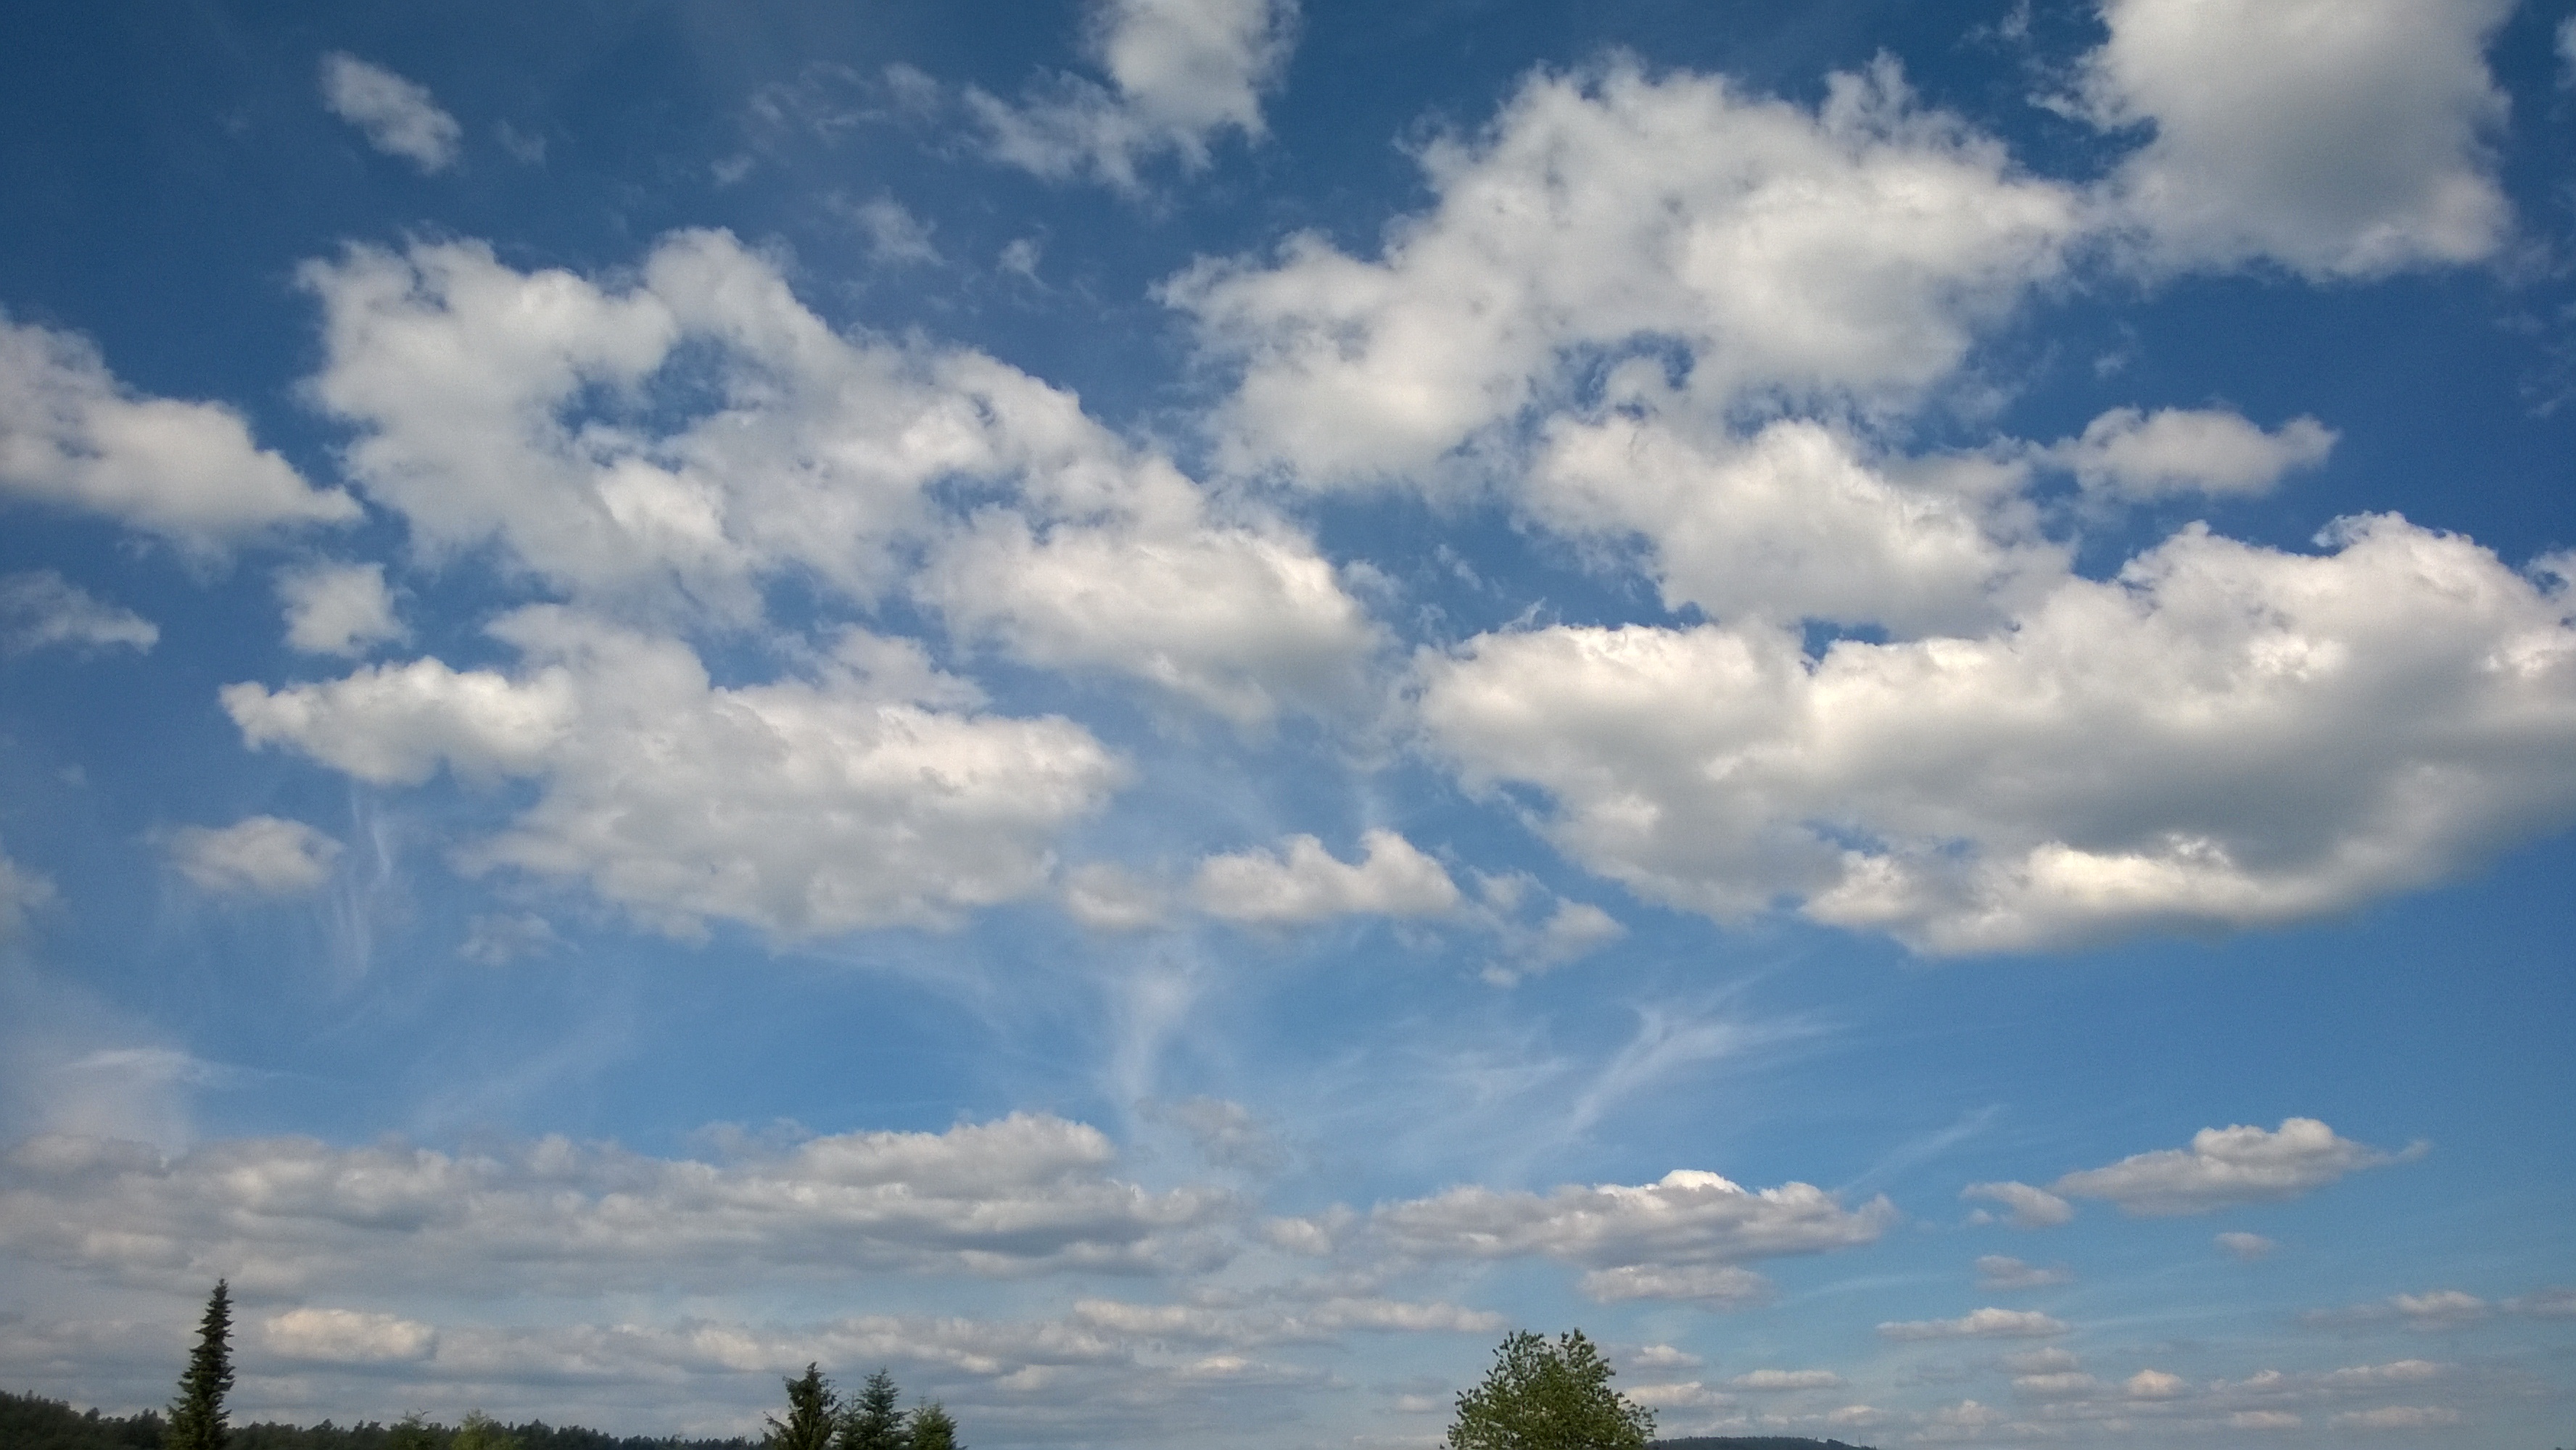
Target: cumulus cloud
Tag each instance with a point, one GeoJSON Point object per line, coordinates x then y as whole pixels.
{"type": "Point", "coordinates": [1681, 1237]}
{"type": "Point", "coordinates": [40, 609]}
{"type": "Point", "coordinates": [1787, 1379]}
{"type": "Point", "coordinates": [2224, 1167]}
{"type": "Point", "coordinates": [869, 794]}
{"type": "Point", "coordinates": [346, 1336]}
{"type": "Point", "coordinates": [2221, 736]}
{"type": "Point", "coordinates": [2245, 1248]}
{"type": "Point", "coordinates": [2024, 1206]}
{"type": "Point", "coordinates": [1018, 1195]}
{"type": "Point", "coordinates": [1302, 882]}
{"type": "Point", "coordinates": [1844, 253]}
{"type": "Point", "coordinates": [1987, 1323]}
{"type": "Point", "coordinates": [338, 609]}
{"type": "Point", "coordinates": [2339, 138]}
{"type": "Point", "coordinates": [2134, 456]}
{"type": "Point", "coordinates": [2002, 1272]}
{"type": "Point", "coordinates": [530, 411]}
{"type": "Point", "coordinates": [397, 116]}
{"type": "Point", "coordinates": [21, 891]}
{"type": "Point", "coordinates": [1181, 74]}
{"type": "Point", "coordinates": [73, 436]}
{"type": "Point", "coordinates": [256, 856]}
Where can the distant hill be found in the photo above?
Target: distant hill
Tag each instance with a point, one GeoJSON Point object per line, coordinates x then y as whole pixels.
{"type": "Point", "coordinates": [29, 1422]}
{"type": "Point", "coordinates": [1750, 1442]}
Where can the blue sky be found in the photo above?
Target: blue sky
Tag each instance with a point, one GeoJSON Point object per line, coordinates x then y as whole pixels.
{"type": "Point", "coordinates": [1161, 709]}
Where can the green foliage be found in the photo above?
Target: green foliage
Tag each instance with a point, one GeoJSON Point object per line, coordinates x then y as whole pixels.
{"type": "Point", "coordinates": [481, 1432]}
{"type": "Point", "coordinates": [30, 1423]}
{"type": "Point", "coordinates": [1541, 1396]}
{"type": "Point", "coordinates": [932, 1428]}
{"type": "Point", "coordinates": [197, 1415]}
{"type": "Point", "coordinates": [813, 1414]}
{"type": "Point", "coordinates": [874, 1420]}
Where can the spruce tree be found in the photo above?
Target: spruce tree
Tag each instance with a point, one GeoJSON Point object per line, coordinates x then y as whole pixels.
{"type": "Point", "coordinates": [197, 1415]}
{"type": "Point", "coordinates": [931, 1427]}
{"type": "Point", "coordinates": [873, 1421]}
{"type": "Point", "coordinates": [813, 1414]}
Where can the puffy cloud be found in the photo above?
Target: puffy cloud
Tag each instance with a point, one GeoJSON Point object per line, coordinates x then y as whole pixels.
{"type": "Point", "coordinates": [2223, 735]}
{"type": "Point", "coordinates": [1642, 1241]}
{"type": "Point", "coordinates": [2440, 1309]}
{"type": "Point", "coordinates": [1717, 1285]}
{"type": "Point", "coordinates": [21, 891]}
{"type": "Point", "coordinates": [2397, 1417]}
{"type": "Point", "coordinates": [2336, 137]}
{"type": "Point", "coordinates": [1322, 1321]}
{"type": "Point", "coordinates": [2224, 1167]}
{"type": "Point", "coordinates": [1181, 73]}
{"type": "Point", "coordinates": [1304, 883]}
{"type": "Point", "coordinates": [73, 436]}
{"type": "Point", "coordinates": [867, 795]}
{"type": "Point", "coordinates": [256, 856]}
{"type": "Point", "coordinates": [347, 1336]}
{"type": "Point", "coordinates": [1107, 897]}
{"type": "Point", "coordinates": [41, 609]}
{"type": "Point", "coordinates": [2245, 1248]}
{"type": "Point", "coordinates": [1844, 253]}
{"type": "Point", "coordinates": [398, 116]}
{"type": "Point", "coordinates": [2129, 455]}
{"type": "Point", "coordinates": [1022, 1194]}
{"type": "Point", "coordinates": [535, 412]}
{"type": "Point", "coordinates": [2024, 1206]}
{"type": "Point", "coordinates": [338, 609]}
{"type": "Point", "coordinates": [1999, 1272]}
{"type": "Point", "coordinates": [1793, 523]}
{"type": "Point", "coordinates": [1787, 1379]}
{"type": "Point", "coordinates": [2154, 1384]}
{"type": "Point", "coordinates": [1982, 1324]}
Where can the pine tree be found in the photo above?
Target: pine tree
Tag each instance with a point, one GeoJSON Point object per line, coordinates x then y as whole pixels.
{"type": "Point", "coordinates": [931, 1427]}
{"type": "Point", "coordinates": [197, 1415]}
{"type": "Point", "coordinates": [813, 1414]}
{"type": "Point", "coordinates": [873, 1421]}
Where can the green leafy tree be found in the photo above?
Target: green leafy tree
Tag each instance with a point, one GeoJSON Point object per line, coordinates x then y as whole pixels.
{"type": "Point", "coordinates": [412, 1433]}
{"type": "Point", "coordinates": [1542, 1396]}
{"type": "Point", "coordinates": [813, 1414]}
{"type": "Point", "coordinates": [933, 1428]}
{"type": "Point", "coordinates": [874, 1419]}
{"type": "Point", "coordinates": [197, 1415]}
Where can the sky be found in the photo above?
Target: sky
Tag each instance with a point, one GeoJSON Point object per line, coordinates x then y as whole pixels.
{"type": "Point", "coordinates": [1162, 710]}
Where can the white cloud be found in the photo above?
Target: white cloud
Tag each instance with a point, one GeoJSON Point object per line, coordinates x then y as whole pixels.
{"type": "Point", "coordinates": [2336, 137]}
{"type": "Point", "coordinates": [2224, 1167]}
{"type": "Point", "coordinates": [2567, 53]}
{"type": "Point", "coordinates": [1723, 1286]}
{"type": "Point", "coordinates": [896, 237]}
{"type": "Point", "coordinates": [398, 116]}
{"type": "Point", "coordinates": [1843, 254]}
{"type": "Point", "coordinates": [21, 891]}
{"type": "Point", "coordinates": [40, 609]}
{"type": "Point", "coordinates": [865, 795]}
{"type": "Point", "coordinates": [1793, 523]}
{"type": "Point", "coordinates": [1787, 1379]}
{"type": "Point", "coordinates": [1663, 1356]}
{"type": "Point", "coordinates": [527, 410]}
{"type": "Point", "coordinates": [2245, 1248]}
{"type": "Point", "coordinates": [2024, 1206]}
{"type": "Point", "coordinates": [1022, 1194]}
{"type": "Point", "coordinates": [1642, 1238]}
{"type": "Point", "coordinates": [2001, 1272]}
{"type": "Point", "coordinates": [71, 435]}
{"type": "Point", "coordinates": [2129, 455]}
{"type": "Point", "coordinates": [2397, 1417]}
{"type": "Point", "coordinates": [1304, 883]}
{"type": "Point", "coordinates": [1982, 1324]}
{"type": "Point", "coordinates": [1107, 897]}
{"type": "Point", "coordinates": [338, 609]}
{"type": "Point", "coordinates": [256, 856]}
{"type": "Point", "coordinates": [347, 1336]}
{"type": "Point", "coordinates": [1181, 73]}
{"type": "Point", "coordinates": [2222, 736]}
